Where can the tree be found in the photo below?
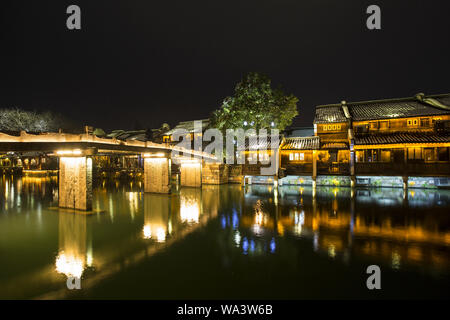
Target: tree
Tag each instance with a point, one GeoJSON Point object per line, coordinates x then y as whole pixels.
{"type": "Point", "coordinates": [19, 120]}
{"type": "Point", "coordinates": [256, 105]}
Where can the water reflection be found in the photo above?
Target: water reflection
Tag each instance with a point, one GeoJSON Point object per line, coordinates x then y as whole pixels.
{"type": "Point", "coordinates": [403, 230]}
{"type": "Point", "coordinates": [190, 201]}
{"type": "Point", "coordinates": [73, 256]}
{"type": "Point", "coordinates": [156, 216]}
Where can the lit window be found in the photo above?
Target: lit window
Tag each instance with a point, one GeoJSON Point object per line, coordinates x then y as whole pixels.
{"type": "Point", "coordinates": [302, 156]}
{"type": "Point", "coordinates": [414, 153]}
{"type": "Point", "coordinates": [291, 156]}
{"type": "Point", "coordinates": [385, 155]}
{"type": "Point", "coordinates": [359, 156]}
{"type": "Point", "coordinates": [428, 154]}
{"type": "Point", "coordinates": [296, 156]}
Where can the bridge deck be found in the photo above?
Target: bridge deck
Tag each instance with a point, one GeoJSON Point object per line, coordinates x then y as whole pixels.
{"type": "Point", "coordinates": [50, 142]}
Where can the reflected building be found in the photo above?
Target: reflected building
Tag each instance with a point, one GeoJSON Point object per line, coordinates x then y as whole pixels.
{"type": "Point", "coordinates": [342, 223]}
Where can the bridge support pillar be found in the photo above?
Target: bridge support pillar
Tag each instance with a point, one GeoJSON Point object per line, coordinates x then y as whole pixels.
{"type": "Point", "coordinates": [214, 173]}
{"type": "Point", "coordinates": [75, 183]}
{"type": "Point", "coordinates": [157, 174]}
{"type": "Point", "coordinates": [191, 173]}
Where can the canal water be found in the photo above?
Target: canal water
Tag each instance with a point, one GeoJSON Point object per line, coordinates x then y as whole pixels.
{"type": "Point", "coordinates": [224, 241]}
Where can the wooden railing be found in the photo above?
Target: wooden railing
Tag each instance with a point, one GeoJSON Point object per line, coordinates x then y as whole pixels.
{"type": "Point", "coordinates": [299, 169]}
{"type": "Point", "coordinates": [333, 168]}
{"type": "Point", "coordinates": [401, 169]}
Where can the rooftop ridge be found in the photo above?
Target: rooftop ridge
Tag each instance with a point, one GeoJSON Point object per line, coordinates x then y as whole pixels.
{"type": "Point", "coordinates": [383, 100]}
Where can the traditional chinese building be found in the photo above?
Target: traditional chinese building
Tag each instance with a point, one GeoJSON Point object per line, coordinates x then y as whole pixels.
{"type": "Point", "coordinates": [191, 129]}
{"type": "Point", "coordinates": [260, 158]}
{"type": "Point", "coordinates": [407, 137]}
{"type": "Point", "coordinates": [298, 154]}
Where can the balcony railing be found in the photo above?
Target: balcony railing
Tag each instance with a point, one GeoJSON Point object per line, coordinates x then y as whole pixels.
{"type": "Point", "coordinates": [254, 169]}
{"type": "Point", "coordinates": [299, 169]}
{"type": "Point", "coordinates": [402, 169]}
{"type": "Point", "coordinates": [333, 168]}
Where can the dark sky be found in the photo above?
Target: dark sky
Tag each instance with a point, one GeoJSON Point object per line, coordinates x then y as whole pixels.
{"type": "Point", "coordinates": [175, 60]}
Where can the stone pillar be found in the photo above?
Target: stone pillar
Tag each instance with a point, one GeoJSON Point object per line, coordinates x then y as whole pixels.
{"type": "Point", "coordinates": [214, 173]}
{"type": "Point", "coordinates": [75, 183]}
{"type": "Point", "coordinates": [157, 175]}
{"type": "Point", "coordinates": [314, 169]}
{"type": "Point", "coordinates": [191, 174]}
{"type": "Point", "coordinates": [352, 163]}
{"type": "Point", "coordinates": [405, 161]}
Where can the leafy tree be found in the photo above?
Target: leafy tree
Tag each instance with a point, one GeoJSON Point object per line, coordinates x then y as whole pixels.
{"type": "Point", "coordinates": [256, 105]}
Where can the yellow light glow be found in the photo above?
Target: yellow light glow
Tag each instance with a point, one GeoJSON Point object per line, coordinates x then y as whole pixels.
{"type": "Point", "coordinates": [160, 234]}
{"type": "Point", "coordinates": [68, 152]}
{"type": "Point", "coordinates": [158, 231]}
{"type": "Point", "coordinates": [189, 210]}
{"type": "Point", "coordinates": [259, 218]}
{"type": "Point", "coordinates": [71, 266]}
{"type": "Point", "coordinates": [147, 232]}
{"type": "Point", "coordinates": [153, 155]}
{"type": "Point", "coordinates": [335, 191]}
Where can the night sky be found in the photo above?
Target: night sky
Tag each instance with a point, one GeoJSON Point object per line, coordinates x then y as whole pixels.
{"type": "Point", "coordinates": [148, 62]}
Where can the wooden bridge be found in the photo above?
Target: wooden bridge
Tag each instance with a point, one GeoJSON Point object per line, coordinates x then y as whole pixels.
{"type": "Point", "coordinates": [75, 153]}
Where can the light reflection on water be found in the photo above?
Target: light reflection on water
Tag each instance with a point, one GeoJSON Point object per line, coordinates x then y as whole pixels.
{"type": "Point", "coordinates": [43, 244]}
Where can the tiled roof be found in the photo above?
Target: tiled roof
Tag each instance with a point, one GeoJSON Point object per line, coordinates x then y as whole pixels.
{"type": "Point", "coordinates": [259, 143]}
{"type": "Point", "coordinates": [301, 143]}
{"type": "Point", "coordinates": [416, 106]}
{"type": "Point", "coordinates": [140, 135]}
{"type": "Point", "coordinates": [445, 100]}
{"type": "Point", "coordinates": [188, 126]}
{"type": "Point", "coordinates": [395, 109]}
{"type": "Point", "coordinates": [328, 114]}
{"type": "Point", "coordinates": [402, 137]}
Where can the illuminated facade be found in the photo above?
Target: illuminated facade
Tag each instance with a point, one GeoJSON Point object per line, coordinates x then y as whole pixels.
{"type": "Point", "coordinates": [397, 137]}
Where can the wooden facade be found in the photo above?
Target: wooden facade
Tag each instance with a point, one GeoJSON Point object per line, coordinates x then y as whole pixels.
{"type": "Point", "coordinates": [399, 137]}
